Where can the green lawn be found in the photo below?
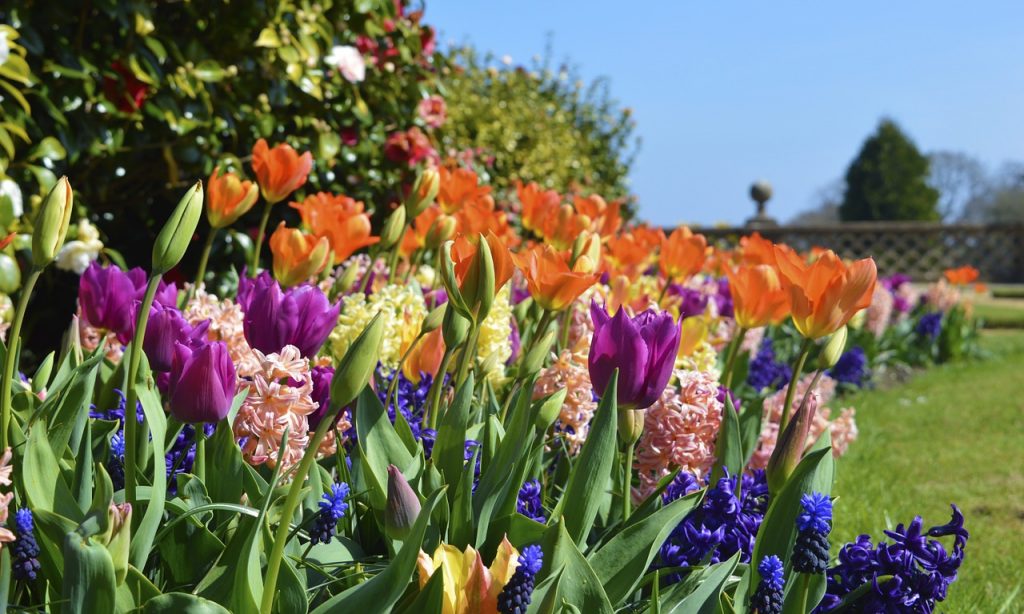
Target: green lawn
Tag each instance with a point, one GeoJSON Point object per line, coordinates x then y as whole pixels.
{"type": "Point", "coordinates": [953, 434]}
{"type": "Point", "coordinates": [1001, 313]}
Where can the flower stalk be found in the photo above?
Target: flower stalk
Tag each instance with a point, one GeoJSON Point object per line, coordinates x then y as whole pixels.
{"type": "Point", "coordinates": [13, 348]}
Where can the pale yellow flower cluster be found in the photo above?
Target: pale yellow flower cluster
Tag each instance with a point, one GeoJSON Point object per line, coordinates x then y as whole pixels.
{"type": "Point", "coordinates": [494, 347]}
{"type": "Point", "coordinates": [402, 308]}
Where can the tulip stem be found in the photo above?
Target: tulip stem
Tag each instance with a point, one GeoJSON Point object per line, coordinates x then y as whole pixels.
{"type": "Point", "coordinates": [734, 351]}
{"type": "Point", "coordinates": [401, 365]}
{"type": "Point", "coordinates": [288, 510]}
{"type": "Point", "coordinates": [664, 291]}
{"type": "Point", "coordinates": [13, 347]}
{"type": "Point", "coordinates": [435, 389]}
{"type": "Point", "coordinates": [538, 333]}
{"type": "Point", "coordinates": [131, 395]}
{"type": "Point", "coordinates": [805, 350]}
{"type": "Point", "coordinates": [805, 588]}
{"type": "Point", "coordinates": [200, 459]}
{"type": "Point", "coordinates": [468, 356]}
{"type": "Point", "coordinates": [260, 234]}
{"type": "Point", "coordinates": [627, 482]}
{"type": "Point", "coordinates": [205, 257]}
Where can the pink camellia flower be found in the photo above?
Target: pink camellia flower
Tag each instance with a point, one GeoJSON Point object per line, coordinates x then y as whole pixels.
{"type": "Point", "coordinates": [643, 348]}
{"type": "Point", "coordinates": [409, 147]}
{"type": "Point", "coordinates": [348, 61]}
{"type": "Point", "coordinates": [433, 111]}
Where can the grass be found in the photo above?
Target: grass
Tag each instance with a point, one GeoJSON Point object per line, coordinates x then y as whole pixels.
{"type": "Point", "coordinates": [1000, 313]}
{"type": "Point", "coordinates": [953, 434]}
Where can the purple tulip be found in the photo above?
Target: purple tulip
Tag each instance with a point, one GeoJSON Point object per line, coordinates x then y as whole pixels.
{"type": "Point", "coordinates": [202, 383]}
{"type": "Point", "coordinates": [300, 316]}
{"type": "Point", "coordinates": [108, 296]}
{"type": "Point", "coordinates": [321, 394]}
{"type": "Point", "coordinates": [643, 348]}
{"type": "Point", "coordinates": [167, 327]}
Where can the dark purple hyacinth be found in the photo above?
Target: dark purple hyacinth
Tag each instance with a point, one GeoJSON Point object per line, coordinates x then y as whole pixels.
{"type": "Point", "coordinates": [410, 399]}
{"type": "Point", "coordinates": [332, 509]}
{"type": "Point", "coordinates": [643, 348]}
{"type": "Point", "coordinates": [922, 569]}
{"type": "Point", "coordinates": [769, 596]}
{"type": "Point", "coordinates": [851, 368]}
{"type": "Point", "coordinates": [722, 526]}
{"type": "Point", "coordinates": [300, 316]}
{"type": "Point", "coordinates": [810, 553]}
{"type": "Point", "coordinates": [115, 463]}
{"type": "Point", "coordinates": [723, 299]}
{"type": "Point", "coordinates": [25, 550]}
{"type": "Point", "coordinates": [530, 502]}
{"type": "Point", "coordinates": [894, 282]}
{"type": "Point", "coordinates": [516, 595]}
{"type": "Point", "coordinates": [764, 372]}
{"type": "Point", "coordinates": [930, 325]}
{"type": "Point", "coordinates": [181, 457]}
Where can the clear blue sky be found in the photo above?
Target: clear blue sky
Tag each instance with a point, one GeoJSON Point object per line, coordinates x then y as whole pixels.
{"type": "Point", "coordinates": [728, 92]}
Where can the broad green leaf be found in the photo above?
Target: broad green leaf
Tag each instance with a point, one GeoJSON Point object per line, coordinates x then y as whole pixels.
{"type": "Point", "coordinates": [222, 452]}
{"type": "Point", "coordinates": [69, 407]}
{"type": "Point", "coordinates": [89, 584]}
{"type": "Point", "coordinates": [42, 480]}
{"type": "Point", "coordinates": [450, 445]}
{"type": "Point", "coordinates": [578, 584]}
{"type": "Point", "coordinates": [379, 442]}
{"type": "Point", "coordinates": [622, 562]}
{"type": "Point", "coordinates": [382, 591]}
{"type": "Point", "coordinates": [750, 428]}
{"type": "Point", "coordinates": [156, 420]}
{"type": "Point", "coordinates": [430, 598]}
{"type": "Point", "coordinates": [182, 603]}
{"type": "Point", "coordinates": [728, 446]}
{"type": "Point", "coordinates": [706, 597]}
{"type": "Point", "coordinates": [587, 488]}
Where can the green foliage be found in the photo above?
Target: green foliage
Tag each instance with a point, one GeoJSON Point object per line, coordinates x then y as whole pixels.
{"type": "Point", "coordinates": [888, 180]}
{"type": "Point", "coordinates": [538, 125]}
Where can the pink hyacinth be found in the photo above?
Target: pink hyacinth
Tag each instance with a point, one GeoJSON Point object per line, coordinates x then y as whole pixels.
{"type": "Point", "coordinates": [752, 340]}
{"type": "Point", "coordinates": [279, 397]}
{"type": "Point", "coordinates": [679, 431]}
{"type": "Point", "coordinates": [225, 325]}
{"type": "Point", "coordinates": [570, 371]}
{"type": "Point", "coordinates": [942, 296]}
{"type": "Point", "coordinates": [844, 428]}
{"type": "Point", "coordinates": [879, 312]}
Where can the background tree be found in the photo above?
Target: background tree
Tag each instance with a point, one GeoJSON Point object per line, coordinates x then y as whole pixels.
{"type": "Point", "coordinates": [888, 180]}
{"type": "Point", "coordinates": [1002, 200]}
{"type": "Point", "coordinates": [960, 179]}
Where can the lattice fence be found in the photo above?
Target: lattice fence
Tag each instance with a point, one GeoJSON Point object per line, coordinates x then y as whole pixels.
{"type": "Point", "coordinates": [919, 249]}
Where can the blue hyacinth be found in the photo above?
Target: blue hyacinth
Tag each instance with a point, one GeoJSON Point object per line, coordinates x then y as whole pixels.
{"type": "Point", "coordinates": [768, 598]}
{"type": "Point", "coordinates": [810, 553]}
{"type": "Point", "coordinates": [515, 597]}
{"type": "Point", "coordinates": [25, 550]}
{"type": "Point", "coordinates": [410, 399]}
{"type": "Point", "coordinates": [815, 514]}
{"type": "Point", "coordinates": [922, 568]}
{"type": "Point", "coordinates": [765, 372]}
{"type": "Point", "coordinates": [332, 509]}
{"type": "Point", "coordinates": [851, 368]}
{"type": "Point", "coordinates": [930, 325]}
{"type": "Point", "coordinates": [530, 503]}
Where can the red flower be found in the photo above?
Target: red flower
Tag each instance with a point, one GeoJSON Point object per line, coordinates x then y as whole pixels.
{"type": "Point", "coordinates": [126, 91]}
{"type": "Point", "coordinates": [409, 147]}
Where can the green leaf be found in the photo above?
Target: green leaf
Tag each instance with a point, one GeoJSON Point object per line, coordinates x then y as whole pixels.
{"type": "Point", "coordinates": [69, 406]}
{"type": "Point", "coordinates": [43, 483]}
{"type": "Point", "coordinates": [728, 446]}
{"type": "Point", "coordinates": [450, 445]}
{"type": "Point", "coordinates": [706, 597]}
{"type": "Point", "coordinates": [268, 38]}
{"type": "Point", "coordinates": [587, 488]}
{"type": "Point", "coordinates": [750, 428]}
{"type": "Point", "coordinates": [48, 148]}
{"type": "Point", "coordinates": [384, 590]}
{"type": "Point", "coordinates": [430, 598]}
{"type": "Point", "coordinates": [622, 562]}
{"type": "Point", "coordinates": [210, 71]}
{"type": "Point", "coordinates": [379, 442]}
{"type": "Point", "coordinates": [577, 584]}
{"type": "Point", "coordinates": [156, 420]}
{"type": "Point", "coordinates": [182, 603]}
{"type": "Point", "coordinates": [89, 584]}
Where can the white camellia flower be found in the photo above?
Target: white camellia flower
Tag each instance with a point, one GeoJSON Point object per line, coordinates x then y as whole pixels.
{"type": "Point", "coordinates": [11, 190]}
{"type": "Point", "coordinates": [348, 61]}
{"type": "Point", "coordinates": [77, 255]}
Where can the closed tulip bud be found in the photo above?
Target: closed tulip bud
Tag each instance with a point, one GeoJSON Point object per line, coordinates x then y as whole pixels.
{"type": "Point", "coordinates": [394, 227]}
{"type": "Point", "coordinates": [202, 382]}
{"type": "Point", "coordinates": [118, 538]}
{"type": "Point", "coordinates": [631, 425]}
{"type": "Point", "coordinates": [347, 280]}
{"type": "Point", "coordinates": [228, 198]}
{"type": "Point", "coordinates": [789, 449]}
{"type": "Point", "coordinates": [434, 319]}
{"type": "Point", "coordinates": [443, 229]}
{"type": "Point", "coordinates": [297, 255]}
{"type": "Point", "coordinates": [550, 408]}
{"type": "Point", "coordinates": [454, 328]}
{"type": "Point", "coordinates": [403, 506]}
{"type": "Point", "coordinates": [833, 349]}
{"type": "Point", "coordinates": [423, 192]}
{"type": "Point", "coordinates": [51, 225]}
{"type": "Point", "coordinates": [534, 359]}
{"type": "Point", "coordinates": [177, 232]}
{"type": "Point", "coordinates": [356, 367]}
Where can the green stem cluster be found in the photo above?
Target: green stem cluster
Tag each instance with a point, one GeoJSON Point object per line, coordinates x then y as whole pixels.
{"type": "Point", "coordinates": [798, 368]}
{"type": "Point", "coordinates": [13, 345]}
{"type": "Point", "coordinates": [260, 235]}
{"type": "Point", "coordinates": [132, 395]}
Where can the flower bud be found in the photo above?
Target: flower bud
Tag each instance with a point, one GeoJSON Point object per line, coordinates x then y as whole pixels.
{"type": "Point", "coordinates": [347, 280]}
{"type": "Point", "coordinates": [434, 319]}
{"type": "Point", "coordinates": [443, 229]}
{"type": "Point", "coordinates": [297, 256]}
{"type": "Point", "coordinates": [550, 408]}
{"type": "Point", "coordinates": [357, 366]}
{"type": "Point", "coordinates": [202, 382]}
{"type": "Point", "coordinates": [833, 349]}
{"type": "Point", "coordinates": [118, 537]}
{"type": "Point", "coordinates": [403, 506]}
{"type": "Point", "coordinates": [177, 232]}
{"type": "Point", "coordinates": [631, 425]}
{"type": "Point", "coordinates": [455, 328]}
{"type": "Point", "coordinates": [423, 192]}
{"type": "Point", "coordinates": [394, 228]}
{"type": "Point", "coordinates": [789, 449]}
{"type": "Point", "coordinates": [534, 359]}
{"type": "Point", "coordinates": [51, 226]}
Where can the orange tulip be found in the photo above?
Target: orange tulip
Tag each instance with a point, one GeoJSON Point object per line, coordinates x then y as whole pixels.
{"type": "Point", "coordinates": [297, 255]}
{"type": "Point", "coordinates": [961, 276]}
{"type": "Point", "coordinates": [416, 234]}
{"type": "Point", "coordinates": [824, 295]}
{"type": "Point", "coordinates": [425, 357]}
{"type": "Point", "coordinates": [338, 218]}
{"type": "Point", "coordinates": [682, 254]}
{"type": "Point", "coordinates": [460, 187]}
{"type": "Point", "coordinates": [552, 284]}
{"type": "Point", "coordinates": [464, 258]}
{"type": "Point", "coordinates": [604, 218]}
{"type": "Point", "coordinates": [228, 198]}
{"type": "Point", "coordinates": [755, 249]}
{"type": "Point", "coordinates": [629, 253]}
{"type": "Point", "coordinates": [758, 296]}
{"type": "Point", "coordinates": [537, 205]}
{"type": "Point", "coordinates": [279, 171]}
